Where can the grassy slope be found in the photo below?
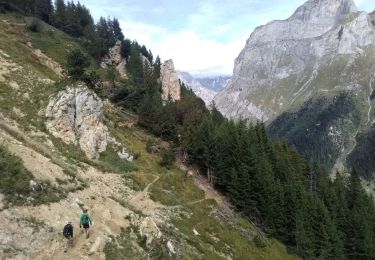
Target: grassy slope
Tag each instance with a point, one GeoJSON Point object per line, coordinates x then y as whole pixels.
{"type": "Point", "coordinates": [216, 240]}
{"type": "Point", "coordinates": [32, 78]}
{"type": "Point", "coordinates": [302, 126]}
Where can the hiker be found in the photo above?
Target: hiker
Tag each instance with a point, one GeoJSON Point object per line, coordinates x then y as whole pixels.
{"type": "Point", "coordinates": [85, 222]}
{"type": "Point", "coordinates": [68, 234]}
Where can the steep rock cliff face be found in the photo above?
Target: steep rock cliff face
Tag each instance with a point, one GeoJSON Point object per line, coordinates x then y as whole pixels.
{"type": "Point", "coordinates": [171, 88]}
{"type": "Point", "coordinates": [282, 60]}
{"type": "Point", "coordinates": [324, 50]}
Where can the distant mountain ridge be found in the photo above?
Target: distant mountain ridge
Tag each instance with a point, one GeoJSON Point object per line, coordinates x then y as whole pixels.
{"type": "Point", "coordinates": [206, 88]}
{"type": "Point", "coordinates": [324, 51]}
{"type": "Point", "coordinates": [215, 83]}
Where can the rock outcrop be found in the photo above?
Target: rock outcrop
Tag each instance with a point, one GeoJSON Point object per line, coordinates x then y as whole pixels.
{"type": "Point", "coordinates": [171, 87]}
{"type": "Point", "coordinates": [283, 60]}
{"type": "Point", "coordinates": [114, 58]}
{"type": "Point", "coordinates": [75, 115]}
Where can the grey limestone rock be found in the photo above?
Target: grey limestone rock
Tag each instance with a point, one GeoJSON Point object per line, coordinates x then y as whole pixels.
{"type": "Point", "coordinates": [170, 82]}
{"type": "Point", "coordinates": [76, 116]}
{"type": "Point", "coordinates": [283, 60]}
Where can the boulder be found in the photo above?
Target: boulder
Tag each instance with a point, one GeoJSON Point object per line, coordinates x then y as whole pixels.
{"type": "Point", "coordinates": [124, 154]}
{"type": "Point", "coordinates": [34, 186]}
{"type": "Point", "coordinates": [148, 228]}
{"type": "Point", "coordinates": [171, 248]}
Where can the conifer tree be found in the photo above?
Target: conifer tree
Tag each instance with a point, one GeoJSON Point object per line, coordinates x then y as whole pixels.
{"type": "Point", "coordinates": [43, 9]}
{"type": "Point", "coordinates": [59, 17]}
{"type": "Point", "coordinates": [117, 30]}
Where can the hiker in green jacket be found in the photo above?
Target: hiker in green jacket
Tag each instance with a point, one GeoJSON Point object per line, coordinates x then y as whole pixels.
{"type": "Point", "coordinates": [85, 222]}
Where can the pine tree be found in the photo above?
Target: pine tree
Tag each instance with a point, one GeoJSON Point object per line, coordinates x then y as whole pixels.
{"type": "Point", "coordinates": [359, 227]}
{"type": "Point", "coordinates": [43, 9]}
{"type": "Point", "coordinates": [135, 65]}
{"type": "Point", "coordinates": [72, 25]}
{"type": "Point", "coordinates": [117, 30]}
{"type": "Point", "coordinates": [157, 66]}
{"type": "Point", "coordinates": [59, 17]}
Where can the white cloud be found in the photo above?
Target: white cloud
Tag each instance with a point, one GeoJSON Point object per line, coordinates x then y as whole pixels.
{"type": "Point", "coordinates": [189, 51]}
{"type": "Point", "coordinates": [198, 55]}
{"type": "Point", "coordinates": [142, 32]}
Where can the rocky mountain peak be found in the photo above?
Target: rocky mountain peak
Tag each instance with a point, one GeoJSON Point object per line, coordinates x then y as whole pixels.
{"type": "Point", "coordinates": [288, 55]}
{"type": "Point", "coordinates": [318, 9]}
{"type": "Point", "coordinates": [312, 19]}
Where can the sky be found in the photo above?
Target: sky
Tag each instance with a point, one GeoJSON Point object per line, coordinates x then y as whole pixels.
{"type": "Point", "coordinates": [202, 37]}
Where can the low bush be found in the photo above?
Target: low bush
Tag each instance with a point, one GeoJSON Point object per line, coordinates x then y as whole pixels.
{"type": "Point", "coordinates": [34, 25]}
{"type": "Point", "coordinates": [167, 158]}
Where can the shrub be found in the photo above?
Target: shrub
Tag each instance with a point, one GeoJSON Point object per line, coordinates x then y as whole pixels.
{"type": "Point", "coordinates": [76, 64]}
{"type": "Point", "coordinates": [34, 25]}
{"type": "Point", "coordinates": [92, 79]}
{"type": "Point", "coordinates": [167, 158]}
{"type": "Point", "coordinates": [149, 144]}
{"type": "Point", "coordinates": [153, 145]}
{"type": "Point", "coordinates": [259, 242]}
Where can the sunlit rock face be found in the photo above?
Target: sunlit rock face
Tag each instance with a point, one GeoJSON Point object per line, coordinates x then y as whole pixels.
{"type": "Point", "coordinates": [171, 87]}
{"type": "Point", "coordinates": [75, 115]}
{"type": "Point", "coordinates": [281, 64]}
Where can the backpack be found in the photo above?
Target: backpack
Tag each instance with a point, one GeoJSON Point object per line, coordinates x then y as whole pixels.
{"type": "Point", "coordinates": [85, 219]}
{"type": "Point", "coordinates": [67, 232]}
